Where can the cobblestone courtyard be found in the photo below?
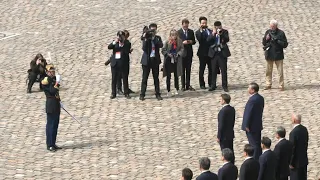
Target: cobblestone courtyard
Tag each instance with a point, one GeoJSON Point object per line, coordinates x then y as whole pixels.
{"type": "Point", "coordinates": [129, 139]}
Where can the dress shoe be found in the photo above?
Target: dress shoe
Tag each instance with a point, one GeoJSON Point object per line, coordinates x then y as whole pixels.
{"type": "Point", "coordinates": [127, 96]}
{"type": "Point", "coordinates": [131, 92]}
{"type": "Point", "coordinates": [112, 96]}
{"type": "Point", "coordinates": [52, 149]}
{"type": "Point", "coordinates": [183, 89]}
{"type": "Point", "coordinates": [267, 88]}
{"type": "Point", "coordinates": [142, 98]}
{"type": "Point", "coordinates": [159, 97]}
{"type": "Point", "coordinates": [120, 92]}
{"type": "Point", "coordinates": [190, 88]}
{"type": "Point", "coordinates": [28, 90]}
{"type": "Point", "coordinates": [203, 87]}
{"type": "Point", "coordinates": [57, 147]}
{"type": "Point", "coordinates": [212, 89]}
{"type": "Point", "coordinates": [226, 89]}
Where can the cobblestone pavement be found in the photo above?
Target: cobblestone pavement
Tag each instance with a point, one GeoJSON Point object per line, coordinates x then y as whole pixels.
{"type": "Point", "coordinates": [129, 139]}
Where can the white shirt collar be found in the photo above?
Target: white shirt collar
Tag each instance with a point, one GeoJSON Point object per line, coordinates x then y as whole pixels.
{"type": "Point", "coordinates": [225, 105]}
{"type": "Point", "coordinates": [265, 150]}
{"type": "Point", "coordinates": [204, 171]}
{"type": "Point", "coordinates": [249, 157]}
{"type": "Point", "coordinates": [280, 139]}
{"type": "Point", "coordinates": [295, 125]}
{"type": "Point", "coordinates": [253, 94]}
{"type": "Point", "coordinates": [225, 163]}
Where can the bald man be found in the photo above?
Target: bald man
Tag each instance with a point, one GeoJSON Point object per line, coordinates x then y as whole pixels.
{"type": "Point", "coordinates": [299, 138]}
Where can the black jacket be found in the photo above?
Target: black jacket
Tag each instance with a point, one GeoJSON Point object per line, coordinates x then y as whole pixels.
{"type": "Point", "coordinates": [224, 39]}
{"type": "Point", "coordinates": [124, 53]}
{"type": "Point", "coordinates": [283, 151]}
{"type": "Point", "coordinates": [275, 44]}
{"type": "Point", "coordinates": [52, 94]}
{"type": "Point", "coordinates": [147, 47]}
{"type": "Point", "coordinates": [226, 120]}
{"type": "Point", "coordinates": [249, 170]}
{"type": "Point", "coordinates": [204, 44]}
{"type": "Point", "coordinates": [268, 164]}
{"type": "Point", "coordinates": [299, 138]}
{"type": "Point", "coordinates": [208, 175]}
{"type": "Point", "coordinates": [228, 172]}
{"type": "Point", "coordinates": [190, 36]}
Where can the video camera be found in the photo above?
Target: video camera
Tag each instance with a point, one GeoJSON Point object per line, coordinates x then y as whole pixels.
{"type": "Point", "coordinates": [149, 33]}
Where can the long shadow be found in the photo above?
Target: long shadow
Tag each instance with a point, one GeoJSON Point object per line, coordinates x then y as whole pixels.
{"type": "Point", "coordinates": [97, 143]}
{"type": "Point", "coordinates": [302, 86]}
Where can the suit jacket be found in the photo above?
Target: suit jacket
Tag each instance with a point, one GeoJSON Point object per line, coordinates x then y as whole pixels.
{"type": "Point", "coordinates": [299, 138]}
{"type": "Point", "coordinates": [252, 117]}
{"type": "Point", "coordinates": [204, 44]}
{"type": "Point", "coordinates": [283, 150]}
{"type": "Point", "coordinates": [208, 175]}
{"type": "Point", "coordinates": [52, 95]}
{"type": "Point", "coordinates": [249, 170]}
{"type": "Point", "coordinates": [226, 119]}
{"type": "Point", "coordinates": [268, 164]}
{"type": "Point", "coordinates": [147, 47]}
{"type": "Point", "coordinates": [190, 36]}
{"type": "Point", "coordinates": [224, 39]}
{"type": "Point", "coordinates": [228, 172]}
{"type": "Point", "coordinates": [124, 53]}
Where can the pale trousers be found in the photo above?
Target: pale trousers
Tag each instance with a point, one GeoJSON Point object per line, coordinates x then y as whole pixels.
{"type": "Point", "coordinates": [279, 64]}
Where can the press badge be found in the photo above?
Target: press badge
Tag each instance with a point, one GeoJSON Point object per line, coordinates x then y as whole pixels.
{"type": "Point", "coordinates": [118, 55]}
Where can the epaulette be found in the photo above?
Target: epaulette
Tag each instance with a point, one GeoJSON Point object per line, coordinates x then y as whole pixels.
{"type": "Point", "coordinates": [45, 81]}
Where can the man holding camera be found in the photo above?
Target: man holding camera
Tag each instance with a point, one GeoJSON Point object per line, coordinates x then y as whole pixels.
{"type": "Point", "coordinates": [202, 35]}
{"type": "Point", "coordinates": [151, 44]}
{"type": "Point", "coordinates": [274, 41]}
{"type": "Point", "coordinates": [219, 53]}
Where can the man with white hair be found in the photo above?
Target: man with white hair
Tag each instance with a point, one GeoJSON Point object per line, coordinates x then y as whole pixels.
{"type": "Point", "coordinates": [274, 41]}
{"type": "Point", "coordinates": [299, 138]}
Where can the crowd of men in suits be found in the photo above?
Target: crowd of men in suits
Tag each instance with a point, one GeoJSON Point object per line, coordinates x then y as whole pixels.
{"type": "Point", "coordinates": [289, 157]}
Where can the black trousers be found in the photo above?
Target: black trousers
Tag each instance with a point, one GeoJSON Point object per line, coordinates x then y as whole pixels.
{"type": "Point", "coordinates": [32, 79]}
{"type": "Point", "coordinates": [254, 139]}
{"type": "Point", "coordinates": [172, 67]}
{"type": "Point", "coordinates": [52, 128]}
{"type": "Point", "coordinates": [298, 173]}
{"type": "Point", "coordinates": [186, 72]}
{"type": "Point", "coordinates": [126, 68]}
{"type": "Point", "coordinates": [205, 61]}
{"type": "Point", "coordinates": [118, 71]}
{"type": "Point", "coordinates": [145, 75]}
{"type": "Point", "coordinates": [221, 61]}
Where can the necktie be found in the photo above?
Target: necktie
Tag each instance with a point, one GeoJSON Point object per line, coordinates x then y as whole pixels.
{"type": "Point", "coordinates": [186, 34]}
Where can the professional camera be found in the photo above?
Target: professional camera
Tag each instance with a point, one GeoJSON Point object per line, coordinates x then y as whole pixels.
{"type": "Point", "coordinates": [149, 33]}
{"type": "Point", "coordinates": [219, 31]}
{"type": "Point", "coordinates": [121, 36]}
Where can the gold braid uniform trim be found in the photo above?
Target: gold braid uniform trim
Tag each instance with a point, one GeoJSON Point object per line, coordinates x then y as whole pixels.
{"type": "Point", "coordinates": [45, 81]}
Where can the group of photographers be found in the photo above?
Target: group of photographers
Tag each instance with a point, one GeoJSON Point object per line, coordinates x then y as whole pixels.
{"type": "Point", "coordinates": [178, 53]}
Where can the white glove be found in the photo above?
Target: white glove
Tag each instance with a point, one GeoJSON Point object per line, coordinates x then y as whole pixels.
{"type": "Point", "coordinates": [58, 78]}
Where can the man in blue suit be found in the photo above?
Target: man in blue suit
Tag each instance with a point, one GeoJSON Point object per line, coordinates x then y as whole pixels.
{"type": "Point", "coordinates": [252, 119]}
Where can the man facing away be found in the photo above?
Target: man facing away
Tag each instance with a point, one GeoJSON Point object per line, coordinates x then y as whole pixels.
{"type": "Point", "coordinates": [299, 138]}
{"type": "Point", "coordinates": [226, 120]}
{"type": "Point", "coordinates": [186, 174]}
{"type": "Point", "coordinates": [249, 169]}
{"type": "Point", "coordinates": [283, 151]}
{"type": "Point", "coordinates": [252, 119]}
{"type": "Point", "coordinates": [228, 171]}
{"type": "Point", "coordinates": [187, 36]}
{"type": "Point", "coordinates": [274, 41]}
{"type": "Point", "coordinates": [267, 161]}
{"type": "Point", "coordinates": [206, 174]}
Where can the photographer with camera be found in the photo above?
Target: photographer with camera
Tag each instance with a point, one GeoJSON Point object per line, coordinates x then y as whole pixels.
{"type": "Point", "coordinates": [219, 53]}
{"type": "Point", "coordinates": [151, 44]}
{"type": "Point", "coordinates": [173, 51]}
{"type": "Point", "coordinates": [37, 67]}
{"type": "Point", "coordinates": [202, 35]}
{"type": "Point", "coordinates": [274, 41]}
{"type": "Point", "coordinates": [119, 63]}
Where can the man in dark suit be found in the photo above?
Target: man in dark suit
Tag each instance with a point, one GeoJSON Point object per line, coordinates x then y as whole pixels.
{"type": "Point", "coordinates": [226, 119]}
{"type": "Point", "coordinates": [299, 138]}
{"type": "Point", "coordinates": [151, 60]}
{"type": "Point", "coordinates": [119, 63]}
{"type": "Point", "coordinates": [187, 36]}
{"type": "Point", "coordinates": [267, 161]}
{"type": "Point", "coordinates": [206, 174]}
{"type": "Point", "coordinates": [228, 171]}
{"type": "Point", "coordinates": [249, 169]}
{"type": "Point", "coordinates": [219, 53]}
{"type": "Point", "coordinates": [283, 151]}
{"type": "Point", "coordinates": [51, 86]}
{"type": "Point", "coordinates": [252, 119]}
{"type": "Point", "coordinates": [186, 174]}
{"type": "Point", "coordinates": [202, 36]}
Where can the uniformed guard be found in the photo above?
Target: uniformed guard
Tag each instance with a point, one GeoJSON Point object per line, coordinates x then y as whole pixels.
{"type": "Point", "coordinates": [51, 90]}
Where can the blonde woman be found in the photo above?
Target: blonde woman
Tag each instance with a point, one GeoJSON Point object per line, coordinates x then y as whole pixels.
{"type": "Point", "coordinates": [173, 52]}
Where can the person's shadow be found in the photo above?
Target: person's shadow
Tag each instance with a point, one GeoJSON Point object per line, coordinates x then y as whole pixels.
{"type": "Point", "coordinates": [87, 145]}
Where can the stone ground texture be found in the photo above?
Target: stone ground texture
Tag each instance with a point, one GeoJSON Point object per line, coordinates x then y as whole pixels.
{"type": "Point", "coordinates": [129, 139]}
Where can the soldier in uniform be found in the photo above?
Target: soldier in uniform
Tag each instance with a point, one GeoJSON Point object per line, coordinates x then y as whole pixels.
{"type": "Point", "coordinates": [51, 90]}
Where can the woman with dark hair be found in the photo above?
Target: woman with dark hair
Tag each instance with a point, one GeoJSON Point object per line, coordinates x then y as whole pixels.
{"type": "Point", "coordinates": [37, 67]}
{"type": "Point", "coordinates": [173, 52]}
